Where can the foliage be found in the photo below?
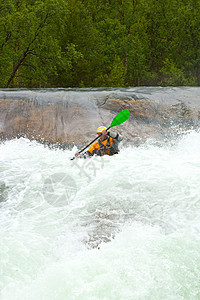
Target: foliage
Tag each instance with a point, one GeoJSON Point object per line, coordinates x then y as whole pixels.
{"type": "Point", "coordinates": [77, 43]}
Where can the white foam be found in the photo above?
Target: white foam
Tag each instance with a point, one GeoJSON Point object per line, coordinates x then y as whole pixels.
{"type": "Point", "coordinates": [145, 201]}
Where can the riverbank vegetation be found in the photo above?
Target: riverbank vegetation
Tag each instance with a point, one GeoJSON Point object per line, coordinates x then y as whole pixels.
{"type": "Point", "coordinates": [92, 43]}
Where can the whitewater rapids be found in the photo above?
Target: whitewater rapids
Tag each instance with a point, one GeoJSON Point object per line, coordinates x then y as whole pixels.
{"type": "Point", "coordinates": [121, 227]}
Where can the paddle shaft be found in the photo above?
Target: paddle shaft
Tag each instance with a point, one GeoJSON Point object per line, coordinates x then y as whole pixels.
{"type": "Point", "coordinates": [89, 144]}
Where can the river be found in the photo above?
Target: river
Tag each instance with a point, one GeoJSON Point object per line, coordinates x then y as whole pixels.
{"type": "Point", "coordinates": [121, 227]}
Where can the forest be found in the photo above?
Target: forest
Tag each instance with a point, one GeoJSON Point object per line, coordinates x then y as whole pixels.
{"type": "Point", "coordinates": [99, 43]}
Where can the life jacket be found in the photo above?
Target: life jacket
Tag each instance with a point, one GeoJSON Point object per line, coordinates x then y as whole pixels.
{"type": "Point", "coordinates": [105, 149]}
{"type": "Point", "coordinates": [102, 148]}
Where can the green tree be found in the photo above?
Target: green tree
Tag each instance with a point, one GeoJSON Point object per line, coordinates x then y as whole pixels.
{"type": "Point", "coordinates": [54, 43]}
{"type": "Point", "coordinates": [186, 43]}
{"type": "Point", "coordinates": [30, 42]}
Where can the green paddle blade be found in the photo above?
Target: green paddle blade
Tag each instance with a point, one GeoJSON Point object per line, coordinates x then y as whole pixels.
{"type": "Point", "coordinates": [120, 118]}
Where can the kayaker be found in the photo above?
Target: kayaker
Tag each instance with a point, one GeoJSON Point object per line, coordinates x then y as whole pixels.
{"type": "Point", "coordinates": [106, 144]}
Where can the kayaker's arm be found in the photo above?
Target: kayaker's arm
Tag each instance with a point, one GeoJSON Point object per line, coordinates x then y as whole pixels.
{"type": "Point", "coordinates": [115, 136]}
{"type": "Point", "coordinates": [83, 155]}
{"type": "Point", "coordinates": [90, 152]}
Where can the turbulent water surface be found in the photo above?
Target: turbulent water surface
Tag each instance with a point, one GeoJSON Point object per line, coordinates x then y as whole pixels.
{"type": "Point", "coordinates": [122, 227]}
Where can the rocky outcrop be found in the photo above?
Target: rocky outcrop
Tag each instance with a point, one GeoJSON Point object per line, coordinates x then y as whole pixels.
{"type": "Point", "coordinates": [76, 123]}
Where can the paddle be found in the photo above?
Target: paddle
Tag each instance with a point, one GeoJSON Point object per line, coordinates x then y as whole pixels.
{"type": "Point", "coordinates": [120, 118]}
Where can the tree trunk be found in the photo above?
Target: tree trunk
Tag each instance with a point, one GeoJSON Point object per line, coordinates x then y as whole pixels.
{"type": "Point", "coordinates": [16, 67]}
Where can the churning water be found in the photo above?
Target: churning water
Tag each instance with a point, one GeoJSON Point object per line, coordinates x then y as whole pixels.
{"type": "Point", "coordinates": [121, 227]}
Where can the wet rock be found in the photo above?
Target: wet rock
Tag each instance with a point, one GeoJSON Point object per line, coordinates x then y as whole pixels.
{"type": "Point", "coordinates": [75, 123]}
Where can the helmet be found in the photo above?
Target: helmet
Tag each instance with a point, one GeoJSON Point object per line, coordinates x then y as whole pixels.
{"type": "Point", "coordinates": [100, 129]}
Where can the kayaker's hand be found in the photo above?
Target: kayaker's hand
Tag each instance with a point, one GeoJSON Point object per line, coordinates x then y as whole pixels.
{"type": "Point", "coordinates": [77, 154]}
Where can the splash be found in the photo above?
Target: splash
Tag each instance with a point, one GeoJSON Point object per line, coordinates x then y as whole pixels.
{"type": "Point", "coordinates": [122, 227]}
